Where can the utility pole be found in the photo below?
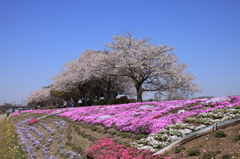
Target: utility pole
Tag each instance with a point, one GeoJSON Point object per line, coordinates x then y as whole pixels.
{"type": "Point", "coordinates": [23, 102]}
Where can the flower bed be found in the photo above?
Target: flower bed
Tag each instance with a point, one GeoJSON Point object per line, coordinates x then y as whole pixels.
{"type": "Point", "coordinates": [38, 143]}
{"type": "Point", "coordinates": [165, 122]}
{"type": "Point", "coordinates": [34, 120]}
{"type": "Point", "coordinates": [148, 117]}
{"type": "Point", "coordinates": [176, 131]}
{"type": "Point", "coordinates": [107, 148]}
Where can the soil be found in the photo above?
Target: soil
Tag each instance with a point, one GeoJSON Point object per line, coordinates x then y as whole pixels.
{"type": "Point", "coordinates": [211, 146]}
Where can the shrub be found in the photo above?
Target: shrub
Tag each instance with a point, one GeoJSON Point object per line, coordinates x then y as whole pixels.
{"type": "Point", "coordinates": [125, 135]}
{"type": "Point", "coordinates": [237, 137]}
{"type": "Point", "coordinates": [100, 102]}
{"type": "Point", "coordinates": [227, 156]}
{"type": "Point", "coordinates": [138, 136]}
{"type": "Point", "coordinates": [179, 149]}
{"type": "Point", "coordinates": [237, 107]}
{"type": "Point", "coordinates": [94, 128]}
{"type": "Point", "coordinates": [162, 138]}
{"type": "Point", "coordinates": [188, 120]}
{"type": "Point", "coordinates": [132, 100]}
{"type": "Point", "coordinates": [150, 100]}
{"type": "Point", "coordinates": [113, 101]}
{"type": "Point", "coordinates": [210, 154]}
{"type": "Point", "coordinates": [193, 152]}
{"type": "Point", "coordinates": [122, 99]}
{"type": "Point", "coordinates": [77, 149]}
{"type": "Point", "coordinates": [220, 134]}
{"type": "Point", "coordinates": [99, 130]}
{"type": "Point", "coordinates": [112, 132]}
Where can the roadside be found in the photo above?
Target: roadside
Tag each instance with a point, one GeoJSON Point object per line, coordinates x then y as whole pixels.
{"type": "Point", "coordinates": [3, 148]}
{"type": "Point", "coordinates": [2, 122]}
{"type": "Point", "coordinates": [9, 140]}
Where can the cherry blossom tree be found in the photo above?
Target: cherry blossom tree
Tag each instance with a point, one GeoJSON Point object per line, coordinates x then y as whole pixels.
{"type": "Point", "coordinates": [129, 63]}
{"type": "Point", "coordinates": [43, 97]}
{"type": "Point", "coordinates": [112, 85]}
{"type": "Point", "coordinates": [88, 80]}
{"type": "Point", "coordinates": [151, 68]}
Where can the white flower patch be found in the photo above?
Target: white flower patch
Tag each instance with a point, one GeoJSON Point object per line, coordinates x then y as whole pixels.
{"type": "Point", "coordinates": [187, 102]}
{"type": "Point", "coordinates": [203, 115]}
{"type": "Point", "coordinates": [166, 136]}
{"type": "Point", "coordinates": [232, 110]}
{"type": "Point", "coordinates": [146, 106]}
{"type": "Point", "coordinates": [181, 125]}
{"type": "Point", "coordinates": [217, 116]}
{"type": "Point", "coordinates": [135, 114]}
{"type": "Point", "coordinates": [163, 131]}
{"type": "Point", "coordinates": [189, 119]}
{"type": "Point", "coordinates": [175, 132]}
{"type": "Point", "coordinates": [173, 106]}
{"type": "Point", "coordinates": [103, 117]}
{"type": "Point", "coordinates": [173, 138]}
{"type": "Point", "coordinates": [180, 111]}
{"type": "Point", "coordinates": [199, 127]}
{"type": "Point", "coordinates": [213, 100]}
{"type": "Point", "coordinates": [102, 108]}
{"type": "Point", "coordinates": [149, 148]}
{"type": "Point", "coordinates": [184, 132]}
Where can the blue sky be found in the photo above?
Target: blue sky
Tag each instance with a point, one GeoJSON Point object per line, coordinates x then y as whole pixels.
{"type": "Point", "coordinates": [37, 37]}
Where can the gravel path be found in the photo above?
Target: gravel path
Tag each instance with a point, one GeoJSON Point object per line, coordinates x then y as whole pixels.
{"type": "Point", "coordinates": [3, 116]}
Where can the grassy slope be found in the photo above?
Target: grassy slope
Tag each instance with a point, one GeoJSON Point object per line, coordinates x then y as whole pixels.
{"type": "Point", "coordinates": [79, 137]}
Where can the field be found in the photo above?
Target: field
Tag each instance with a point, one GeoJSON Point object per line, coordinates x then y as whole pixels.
{"type": "Point", "coordinates": [135, 130]}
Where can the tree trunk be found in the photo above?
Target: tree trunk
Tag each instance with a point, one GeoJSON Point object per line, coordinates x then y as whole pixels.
{"type": "Point", "coordinates": [139, 93]}
{"type": "Point", "coordinates": [107, 93]}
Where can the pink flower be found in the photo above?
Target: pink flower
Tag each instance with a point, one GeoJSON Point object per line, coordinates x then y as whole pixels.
{"type": "Point", "coordinates": [107, 148]}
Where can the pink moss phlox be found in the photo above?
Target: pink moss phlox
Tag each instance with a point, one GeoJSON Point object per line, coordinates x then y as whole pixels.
{"type": "Point", "coordinates": [146, 116]}
{"type": "Point", "coordinates": [107, 148]}
{"type": "Point", "coordinates": [15, 113]}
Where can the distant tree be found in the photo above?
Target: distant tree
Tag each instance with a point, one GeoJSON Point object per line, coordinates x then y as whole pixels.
{"type": "Point", "coordinates": [43, 97]}
{"type": "Point", "coordinates": [157, 96]}
{"type": "Point", "coordinates": [151, 68]}
{"type": "Point", "coordinates": [201, 97]}
{"type": "Point", "coordinates": [173, 95]}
